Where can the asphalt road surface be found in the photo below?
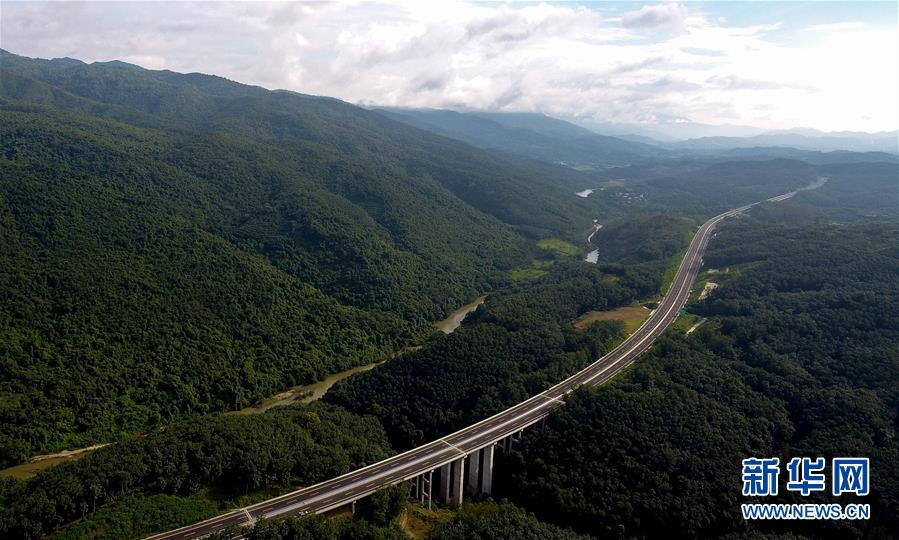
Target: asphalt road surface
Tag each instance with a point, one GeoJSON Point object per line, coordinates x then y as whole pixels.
{"type": "Point", "coordinates": [354, 485]}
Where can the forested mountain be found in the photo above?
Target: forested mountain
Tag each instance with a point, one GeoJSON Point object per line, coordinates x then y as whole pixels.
{"type": "Point", "coordinates": [531, 135]}
{"type": "Point", "coordinates": [643, 238]}
{"type": "Point", "coordinates": [225, 456]}
{"type": "Point", "coordinates": [174, 244]}
{"type": "Point", "coordinates": [799, 358]}
{"type": "Point", "coordinates": [810, 156]}
{"type": "Point", "coordinates": [177, 245]}
{"type": "Point", "coordinates": [819, 141]}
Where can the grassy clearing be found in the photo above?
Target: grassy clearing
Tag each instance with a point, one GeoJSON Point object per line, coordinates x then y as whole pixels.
{"type": "Point", "coordinates": [537, 269]}
{"type": "Point", "coordinates": [559, 247]}
{"type": "Point", "coordinates": [632, 316]}
{"type": "Point", "coordinates": [418, 522]}
{"type": "Point", "coordinates": [610, 279]}
{"type": "Point", "coordinates": [684, 322]}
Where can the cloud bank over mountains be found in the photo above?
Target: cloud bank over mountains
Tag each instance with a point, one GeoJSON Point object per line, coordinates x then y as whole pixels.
{"type": "Point", "coordinates": [599, 62]}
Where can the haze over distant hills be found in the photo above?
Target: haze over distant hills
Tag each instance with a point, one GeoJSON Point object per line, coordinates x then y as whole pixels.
{"type": "Point", "coordinates": [853, 141]}
{"type": "Point", "coordinates": [678, 130]}
{"type": "Point", "coordinates": [551, 139]}
{"type": "Point", "coordinates": [534, 135]}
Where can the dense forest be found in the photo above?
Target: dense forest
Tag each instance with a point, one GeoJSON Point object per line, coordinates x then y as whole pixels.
{"type": "Point", "coordinates": [504, 521]}
{"type": "Point", "coordinates": [643, 237]}
{"type": "Point", "coordinates": [177, 244]}
{"type": "Point", "coordinates": [518, 343]}
{"type": "Point", "coordinates": [381, 517]}
{"type": "Point", "coordinates": [224, 456]}
{"type": "Point", "coordinates": [800, 359]}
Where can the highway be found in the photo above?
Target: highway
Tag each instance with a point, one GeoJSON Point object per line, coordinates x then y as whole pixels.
{"type": "Point", "coordinates": [354, 485]}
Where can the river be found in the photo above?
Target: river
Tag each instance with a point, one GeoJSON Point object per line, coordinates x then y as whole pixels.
{"type": "Point", "coordinates": [449, 324]}
{"type": "Point", "coordinates": [593, 256]}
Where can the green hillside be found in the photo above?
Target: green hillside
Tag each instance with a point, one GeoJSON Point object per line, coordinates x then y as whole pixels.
{"type": "Point", "coordinates": [175, 244]}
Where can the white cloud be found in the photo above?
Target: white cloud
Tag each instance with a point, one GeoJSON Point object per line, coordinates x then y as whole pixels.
{"type": "Point", "coordinates": [836, 27]}
{"type": "Point", "coordinates": [665, 15]}
{"type": "Point", "coordinates": [660, 61]}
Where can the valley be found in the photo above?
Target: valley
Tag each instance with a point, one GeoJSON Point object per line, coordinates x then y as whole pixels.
{"type": "Point", "coordinates": [223, 297]}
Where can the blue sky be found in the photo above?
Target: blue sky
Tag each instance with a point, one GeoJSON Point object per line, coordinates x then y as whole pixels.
{"type": "Point", "coordinates": [773, 65]}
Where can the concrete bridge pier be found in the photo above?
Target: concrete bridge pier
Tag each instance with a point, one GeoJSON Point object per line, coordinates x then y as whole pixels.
{"type": "Point", "coordinates": [452, 482]}
{"type": "Point", "coordinates": [458, 481]}
{"type": "Point", "coordinates": [444, 484]}
{"type": "Point", "coordinates": [473, 476]}
{"type": "Point", "coordinates": [487, 470]}
{"type": "Point", "coordinates": [425, 487]}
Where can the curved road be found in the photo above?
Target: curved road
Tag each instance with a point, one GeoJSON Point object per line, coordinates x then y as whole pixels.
{"type": "Point", "coordinates": [361, 482]}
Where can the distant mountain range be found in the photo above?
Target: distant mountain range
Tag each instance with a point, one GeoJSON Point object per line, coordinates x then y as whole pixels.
{"type": "Point", "coordinates": [551, 139]}
{"type": "Point", "coordinates": [534, 135]}
{"type": "Point", "coordinates": [679, 133]}
{"type": "Point", "coordinates": [857, 142]}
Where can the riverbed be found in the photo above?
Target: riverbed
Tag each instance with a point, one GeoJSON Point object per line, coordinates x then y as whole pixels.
{"type": "Point", "coordinates": [449, 324]}
{"type": "Point", "coordinates": [306, 393]}
{"type": "Point", "coordinates": [312, 392]}
{"type": "Point", "coordinates": [298, 394]}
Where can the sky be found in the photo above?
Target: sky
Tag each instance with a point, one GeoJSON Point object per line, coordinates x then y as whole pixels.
{"type": "Point", "coordinates": [772, 65]}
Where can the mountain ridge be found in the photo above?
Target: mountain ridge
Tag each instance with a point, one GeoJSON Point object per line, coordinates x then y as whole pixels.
{"type": "Point", "coordinates": [200, 244]}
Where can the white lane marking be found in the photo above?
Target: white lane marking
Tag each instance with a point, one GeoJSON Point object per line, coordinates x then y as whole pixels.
{"type": "Point", "coordinates": [453, 446]}
{"type": "Point", "coordinates": [389, 472]}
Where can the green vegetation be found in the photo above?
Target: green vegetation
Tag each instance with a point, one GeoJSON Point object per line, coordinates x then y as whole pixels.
{"type": "Point", "coordinates": [176, 244]}
{"type": "Point", "coordinates": [486, 520]}
{"type": "Point", "coordinates": [418, 521]}
{"type": "Point", "coordinates": [537, 269]}
{"type": "Point", "coordinates": [800, 361]}
{"type": "Point", "coordinates": [703, 189]}
{"type": "Point", "coordinates": [518, 343]}
{"type": "Point", "coordinates": [558, 247]}
{"type": "Point", "coordinates": [685, 322]}
{"type": "Point", "coordinates": [136, 516]}
{"type": "Point", "coordinates": [554, 250]}
{"type": "Point", "coordinates": [644, 237]}
{"type": "Point", "coordinates": [631, 316]}
{"type": "Point", "coordinates": [316, 527]}
{"type": "Point", "coordinates": [224, 456]}
{"type": "Point", "coordinates": [504, 521]}
{"type": "Point", "coordinates": [377, 517]}
{"type": "Point", "coordinates": [172, 246]}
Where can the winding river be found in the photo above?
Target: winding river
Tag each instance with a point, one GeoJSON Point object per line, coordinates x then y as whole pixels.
{"type": "Point", "coordinates": [593, 256]}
